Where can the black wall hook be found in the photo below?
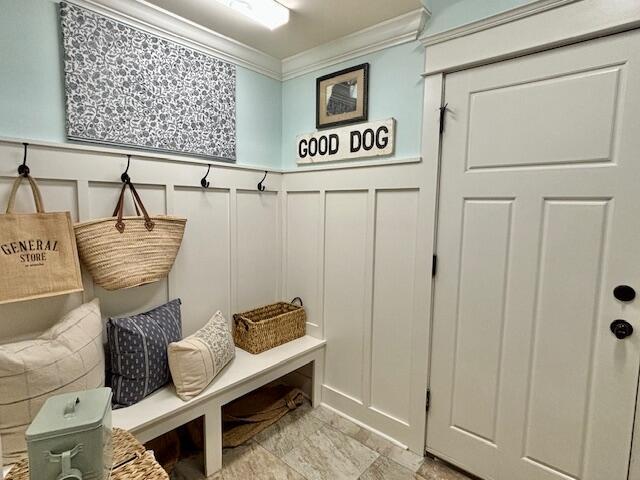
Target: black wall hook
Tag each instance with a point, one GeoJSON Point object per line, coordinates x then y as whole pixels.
{"type": "Point", "coordinates": [24, 168]}
{"type": "Point", "coordinates": [261, 187]}
{"type": "Point", "coordinates": [204, 182]}
{"type": "Point", "coordinates": [125, 176]}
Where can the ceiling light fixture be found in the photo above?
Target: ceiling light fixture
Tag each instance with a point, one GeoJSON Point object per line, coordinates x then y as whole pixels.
{"type": "Point", "coordinates": [269, 13]}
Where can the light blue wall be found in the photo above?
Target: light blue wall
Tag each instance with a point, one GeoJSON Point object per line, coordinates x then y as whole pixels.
{"type": "Point", "coordinates": [32, 94]}
{"type": "Point", "coordinates": [269, 114]}
{"type": "Point", "coordinates": [395, 90]}
{"type": "Point", "coordinates": [31, 88]}
{"type": "Point", "coordinates": [395, 85]}
{"type": "Point", "coordinates": [446, 14]}
{"type": "Point", "coordinates": [258, 114]}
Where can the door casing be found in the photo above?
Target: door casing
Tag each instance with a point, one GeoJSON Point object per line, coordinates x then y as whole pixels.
{"type": "Point", "coordinates": [540, 26]}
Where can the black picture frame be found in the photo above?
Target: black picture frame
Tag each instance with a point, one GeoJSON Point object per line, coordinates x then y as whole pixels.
{"type": "Point", "coordinates": [360, 115]}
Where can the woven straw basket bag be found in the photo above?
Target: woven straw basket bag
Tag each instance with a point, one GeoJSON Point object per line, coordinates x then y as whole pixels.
{"type": "Point", "coordinates": [130, 461]}
{"type": "Point", "coordinates": [266, 327]}
{"type": "Point", "coordinates": [124, 252]}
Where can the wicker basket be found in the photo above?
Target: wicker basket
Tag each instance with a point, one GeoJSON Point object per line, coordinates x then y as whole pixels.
{"type": "Point", "coordinates": [269, 326]}
{"type": "Point", "coordinates": [143, 467]}
{"type": "Point", "coordinates": [130, 461]}
{"type": "Point", "coordinates": [129, 251]}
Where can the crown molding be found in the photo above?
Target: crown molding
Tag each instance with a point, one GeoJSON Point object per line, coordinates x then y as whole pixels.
{"type": "Point", "coordinates": [157, 21]}
{"type": "Point", "coordinates": [389, 33]}
{"type": "Point", "coordinates": [160, 22]}
{"type": "Point", "coordinates": [511, 15]}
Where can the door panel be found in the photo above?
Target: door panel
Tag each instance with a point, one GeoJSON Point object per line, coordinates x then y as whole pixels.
{"type": "Point", "coordinates": [562, 350]}
{"type": "Point", "coordinates": [582, 135]}
{"type": "Point", "coordinates": [538, 222]}
{"type": "Point", "coordinates": [486, 233]}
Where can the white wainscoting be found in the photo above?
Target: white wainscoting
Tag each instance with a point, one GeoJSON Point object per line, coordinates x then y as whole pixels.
{"type": "Point", "coordinates": [354, 243]}
{"type": "Point", "coordinates": [230, 256]}
{"type": "Point", "coordinates": [357, 247]}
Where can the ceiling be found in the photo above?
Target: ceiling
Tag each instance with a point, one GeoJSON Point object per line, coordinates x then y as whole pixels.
{"type": "Point", "coordinates": [312, 22]}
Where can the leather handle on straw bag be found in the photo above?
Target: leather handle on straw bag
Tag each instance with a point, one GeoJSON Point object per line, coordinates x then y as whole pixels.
{"type": "Point", "coordinates": [299, 299]}
{"type": "Point", "coordinates": [137, 201]}
{"type": "Point", "coordinates": [37, 196]}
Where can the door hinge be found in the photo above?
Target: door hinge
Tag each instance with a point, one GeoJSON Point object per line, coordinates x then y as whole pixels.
{"type": "Point", "coordinates": [434, 265]}
{"type": "Point", "coordinates": [443, 111]}
{"type": "Point", "coordinates": [428, 403]}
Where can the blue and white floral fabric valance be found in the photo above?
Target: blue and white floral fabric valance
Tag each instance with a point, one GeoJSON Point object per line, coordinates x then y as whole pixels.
{"type": "Point", "coordinates": [127, 87]}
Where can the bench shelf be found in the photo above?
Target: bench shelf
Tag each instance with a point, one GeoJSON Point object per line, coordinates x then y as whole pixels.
{"type": "Point", "coordinates": [163, 410]}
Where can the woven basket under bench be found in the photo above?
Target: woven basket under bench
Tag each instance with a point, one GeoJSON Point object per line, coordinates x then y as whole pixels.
{"type": "Point", "coordinates": [130, 461]}
{"type": "Point", "coordinates": [266, 327]}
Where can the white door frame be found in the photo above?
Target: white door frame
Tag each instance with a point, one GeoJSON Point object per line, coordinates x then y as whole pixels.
{"type": "Point", "coordinates": [537, 26]}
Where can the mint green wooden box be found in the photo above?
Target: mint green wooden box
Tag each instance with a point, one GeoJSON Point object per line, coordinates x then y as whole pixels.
{"type": "Point", "coordinates": [70, 438]}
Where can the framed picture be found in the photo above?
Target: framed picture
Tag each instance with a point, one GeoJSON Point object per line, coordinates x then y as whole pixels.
{"type": "Point", "coordinates": [342, 97]}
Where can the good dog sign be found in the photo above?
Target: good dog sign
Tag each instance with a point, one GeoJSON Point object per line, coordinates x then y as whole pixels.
{"type": "Point", "coordinates": [371, 139]}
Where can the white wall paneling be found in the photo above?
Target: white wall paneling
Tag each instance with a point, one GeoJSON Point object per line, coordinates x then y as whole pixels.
{"type": "Point", "coordinates": [396, 222]}
{"type": "Point", "coordinates": [208, 237]}
{"type": "Point", "coordinates": [344, 292]}
{"type": "Point", "coordinates": [258, 249]}
{"type": "Point", "coordinates": [358, 244]}
{"type": "Point", "coordinates": [354, 243]}
{"type": "Point", "coordinates": [303, 238]}
{"type": "Point", "coordinates": [86, 182]}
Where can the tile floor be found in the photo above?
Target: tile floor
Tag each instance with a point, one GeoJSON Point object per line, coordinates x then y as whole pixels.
{"type": "Point", "coordinates": [317, 444]}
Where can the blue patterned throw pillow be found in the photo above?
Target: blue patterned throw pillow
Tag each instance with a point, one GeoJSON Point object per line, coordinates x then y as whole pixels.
{"type": "Point", "coordinates": [138, 349]}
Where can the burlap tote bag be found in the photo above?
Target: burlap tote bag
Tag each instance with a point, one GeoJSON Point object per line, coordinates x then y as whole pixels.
{"type": "Point", "coordinates": [124, 252]}
{"type": "Point", "coordinates": [38, 255]}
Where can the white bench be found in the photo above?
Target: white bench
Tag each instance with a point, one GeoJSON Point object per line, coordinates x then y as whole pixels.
{"type": "Point", "coordinates": [163, 411]}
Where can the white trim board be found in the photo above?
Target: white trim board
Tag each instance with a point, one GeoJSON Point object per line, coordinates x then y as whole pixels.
{"type": "Point", "coordinates": [532, 8]}
{"type": "Point", "coordinates": [119, 152]}
{"type": "Point", "coordinates": [364, 425]}
{"type": "Point", "coordinates": [157, 21]}
{"type": "Point", "coordinates": [538, 26]}
{"type": "Point", "coordinates": [341, 165]}
{"type": "Point", "coordinates": [149, 155]}
{"type": "Point", "coordinates": [389, 33]}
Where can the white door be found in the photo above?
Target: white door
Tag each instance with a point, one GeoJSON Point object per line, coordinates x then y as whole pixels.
{"type": "Point", "coordinates": [539, 220]}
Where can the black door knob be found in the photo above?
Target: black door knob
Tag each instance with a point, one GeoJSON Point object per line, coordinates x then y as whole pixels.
{"type": "Point", "coordinates": [621, 329]}
{"type": "Point", "coordinates": [624, 293]}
